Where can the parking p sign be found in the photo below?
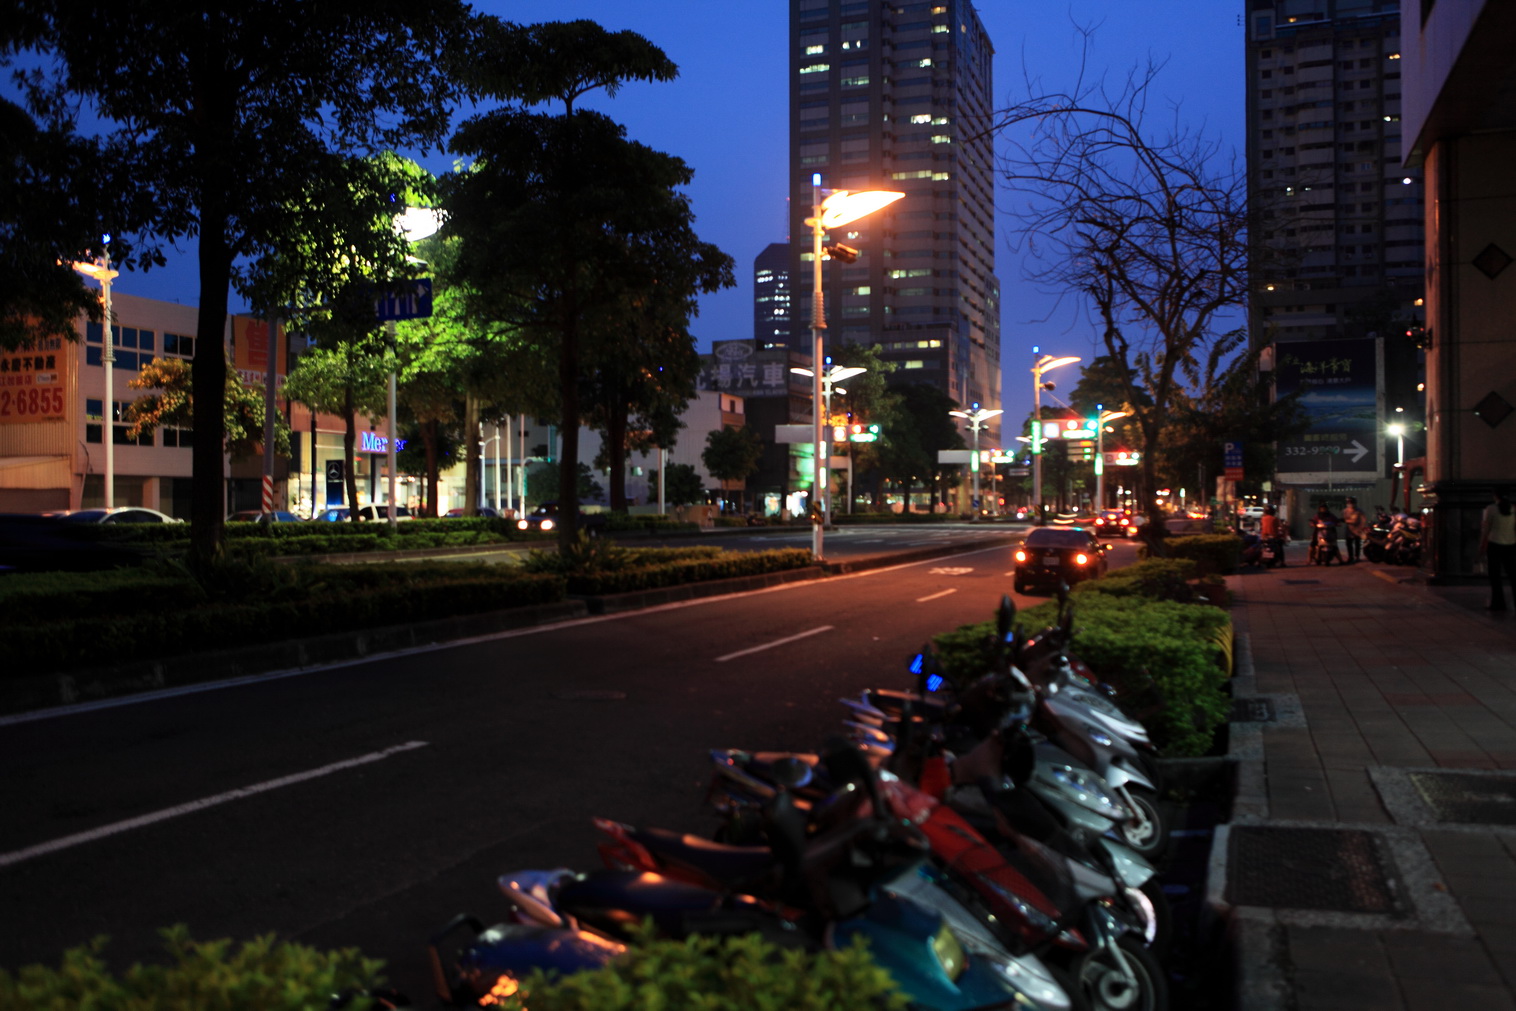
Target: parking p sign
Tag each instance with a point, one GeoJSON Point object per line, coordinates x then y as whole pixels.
{"type": "Point", "coordinates": [1231, 459]}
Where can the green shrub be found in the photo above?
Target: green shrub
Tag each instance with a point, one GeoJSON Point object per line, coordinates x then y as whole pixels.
{"type": "Point", "coordinates": [674, 572]}
{"type": "Point", "coordinates": [1168, 661]}
{"type": "Point", "coordinates": [719, 974]}
{"type": "Point", "coordinates": [258, 975]}
{"type": "Point", "coordinates": [1212, 553]}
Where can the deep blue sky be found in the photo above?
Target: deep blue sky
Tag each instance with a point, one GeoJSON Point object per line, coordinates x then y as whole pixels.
{"type": "Point", "coordinates": [726, 115]}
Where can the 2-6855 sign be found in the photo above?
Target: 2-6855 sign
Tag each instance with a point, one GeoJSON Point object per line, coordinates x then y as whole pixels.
{"type": "Point", "coordinates": [31, 403]}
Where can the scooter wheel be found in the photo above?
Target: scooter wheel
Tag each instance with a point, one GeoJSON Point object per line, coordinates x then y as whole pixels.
{"type": "Point", "coordinates": [1147, 833]}
{"type": "Point", "coordinates": [1135, 983]}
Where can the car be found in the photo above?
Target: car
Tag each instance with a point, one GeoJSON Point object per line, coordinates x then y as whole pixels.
{"type": "Point", "coordinates": [1110, 523]}
{"type": "Point", "coordinates": [485, 511]}
{"type": "Point", "coordinates": [331, 514]}
{"type": "Point", "coordinates": [1051, 555]}
{"type": "Point", "coordinates": [120, 514]}
{"type": "Point", "coordinates": [259, 516]}
{"type": "Point", "coordinates": [382, 512]}
{"type": "Point", "coordinates": [544, 518]}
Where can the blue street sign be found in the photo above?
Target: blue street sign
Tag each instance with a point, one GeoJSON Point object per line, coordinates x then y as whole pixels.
{"type": "Point", "coordinates": [405, 300]}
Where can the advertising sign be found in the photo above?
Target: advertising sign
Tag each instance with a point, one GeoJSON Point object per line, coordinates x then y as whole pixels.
{"type": "Point", "coordinates": [743, 368]}
{"type": "Point", "coordinates": [250, 349]}
{"type": "Point", "coordinates": [1339, 383]}
{"type": "Point", "coordinates": [32, 383]}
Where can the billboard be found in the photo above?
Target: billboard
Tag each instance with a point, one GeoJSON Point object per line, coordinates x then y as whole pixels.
{"type": "Point", "coordinates": [742, 368]}
{"type": "Point", "coordinates": [1340, 384]}
{"type": "Point", "coordinates": [33, 383]}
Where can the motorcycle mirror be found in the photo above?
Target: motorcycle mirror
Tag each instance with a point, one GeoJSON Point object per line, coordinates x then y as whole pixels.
{"type": "Point", "coordinates": [1005, 617]}
{"type": "Point", "coordinates": [790, 772]}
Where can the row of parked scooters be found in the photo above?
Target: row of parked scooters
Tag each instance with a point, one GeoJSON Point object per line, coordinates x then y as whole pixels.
{"type": "Point", "coordinates": [1395, 540]}
{"type": "Point", "coordinates": [994, 841]}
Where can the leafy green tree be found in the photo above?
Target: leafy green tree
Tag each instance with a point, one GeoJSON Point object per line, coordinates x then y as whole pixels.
{"type": "Point", "coordinates": [920, 428]}
{"type": "Point", "coordinates": [869, 401]}
{"type": "Point", "coordinates": [732, 453]}
{"type": "Point", "coordinates": [227, 118]}
{"type": "Point", "coordinates": [172, 404]}
{"type": "Point", "coordinates": [562, 221]}
{"type": "Point", "coordinates": [543, 484]}
{"type": "Point", "coordinates": [345, 379]}
{"type": "Point", "coordinates": [682, 485]}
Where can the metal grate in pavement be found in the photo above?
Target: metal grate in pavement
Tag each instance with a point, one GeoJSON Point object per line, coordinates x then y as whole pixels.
{"type": "Point", "coordinates": [1252, 710]}
{"type": "Point", "coordinates": [1464, 798]}
{"type": "Point", "coordinates": [1336, 870]}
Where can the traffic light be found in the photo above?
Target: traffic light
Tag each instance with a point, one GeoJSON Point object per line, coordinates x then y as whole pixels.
{"type": "Point", "coordinates": [837, 251]}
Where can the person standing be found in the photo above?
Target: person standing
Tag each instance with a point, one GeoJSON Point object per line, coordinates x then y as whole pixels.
{"type": "Point", "coordinates": [1497, 543]}
{"type": "Point", "coordinates": [1356, 526]}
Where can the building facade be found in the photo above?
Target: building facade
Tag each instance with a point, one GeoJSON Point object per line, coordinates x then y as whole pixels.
{"type": "Point", "coordinates": [1337, 244]}
{"type": "Point", "coordinates": [894, 95]}
{"type": "Point", "coordinates": [772, 316]}
{"type": "Point", "coordinates": [1460, 130]}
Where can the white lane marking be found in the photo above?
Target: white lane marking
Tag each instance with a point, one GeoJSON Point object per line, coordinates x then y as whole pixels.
{"type": "Point", "coordinates": [141, 698]}
{"type": "Point", "coordinates": [771, 645]}
{"type": "Point", "coordinates": [961, 570]}
{"type": "Point", "coordinates": [142, 821]}
{"type": "Point", "coordinates": [934, 596]}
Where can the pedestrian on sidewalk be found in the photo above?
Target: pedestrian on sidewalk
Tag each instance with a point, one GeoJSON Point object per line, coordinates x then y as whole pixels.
{"type": "Point", "coordinates": [1497, 543]}
{"type": "Point", "coordinates": [1356, 527]}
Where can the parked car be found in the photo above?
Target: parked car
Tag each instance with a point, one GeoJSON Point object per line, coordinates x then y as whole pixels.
{"type": "Point", "coordinates": [592, 518]}
{"type": "Point", "coordinates": [120, 514]}
{"type": "Point", "coordinates": [1053, 554]}
{"type": "Point", "coordinates": [331, 514]}
{"type": "Point", "coordinates": [382, 512]}
{"type": "Point", "coordinates": [33, 542]}
{"type": "Point", "coordinates": [489, 511]}
{"type": "Point", "coordinates": [259, 516]}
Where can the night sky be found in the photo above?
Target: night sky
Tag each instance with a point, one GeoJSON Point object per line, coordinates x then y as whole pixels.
{"type": "Point", "coordinates": [726, 116]}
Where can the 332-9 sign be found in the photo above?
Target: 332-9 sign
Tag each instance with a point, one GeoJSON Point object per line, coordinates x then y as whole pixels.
{"type": "Point", "coordinates": [31, 403]}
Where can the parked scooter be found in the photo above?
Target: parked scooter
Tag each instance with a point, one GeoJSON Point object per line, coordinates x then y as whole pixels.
{"type": "Point", "coordinates": [1376, 543]}
{"type": "Point", "coordinates": [1404, 547]}
{"type": "Point", "coordinates": [1324, 549]}
{"type": "Point", "coordinates": [834, 863]}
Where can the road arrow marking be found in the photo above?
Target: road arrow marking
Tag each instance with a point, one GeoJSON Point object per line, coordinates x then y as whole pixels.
{"type": "Point", "coordinates": [1358, 451]}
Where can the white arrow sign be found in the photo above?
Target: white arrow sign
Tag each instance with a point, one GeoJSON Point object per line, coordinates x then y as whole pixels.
{"type": "Point", "coordinates": [1357, 451]}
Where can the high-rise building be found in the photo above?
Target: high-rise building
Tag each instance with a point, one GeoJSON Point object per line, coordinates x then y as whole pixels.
{"type": "Point", "coordinates": [897, 96]}
{"type": "Point", "coordinates": [1337, 237]}
{"type": "Point", "coordinates": [771, 296]}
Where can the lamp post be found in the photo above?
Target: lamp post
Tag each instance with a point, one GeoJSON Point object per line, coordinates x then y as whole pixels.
{"type": "Point", "coordinates": [976, 419]}
{"type": "Point", "coordinates": [1101, 418]}
{"type": "Point", "coordinates": [1046, 363]}
{"type": "Point", "coordinates": [829, 380]}
{"type": "Point", "coordinates": [483, 445]}
{"type": "Point", "coordinates": [413, 224]}
{"type": "Point", "coordinates": [840, 207]}
{"type": "Point", "coordinates": [102, 272]}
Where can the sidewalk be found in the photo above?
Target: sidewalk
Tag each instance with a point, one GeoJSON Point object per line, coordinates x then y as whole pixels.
{"type": "Point", "coordinates": [1371, 858]}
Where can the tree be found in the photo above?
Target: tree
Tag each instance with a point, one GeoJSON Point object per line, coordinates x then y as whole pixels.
{"type": "Point", "coordinates": [869, 401]}
{"type": "Point", "coordinates": [171, 404]}
{"type": "Point", "coordinates": [227, 117]}
{"type": "Point", "coordinates": [562, 221]}
{"type": "Point", "coordinates": [346, 378]}
{"type": "Point", "coordinates": [544, 484]}
{"type": "Point", "coordinates": [1148, 228]}
{"type": "Point", "coordinates": [682, 485]}
{"type": "Point", "coordinates": [920, 428]}
{"type": "Point", "coordinates": [732, 453]}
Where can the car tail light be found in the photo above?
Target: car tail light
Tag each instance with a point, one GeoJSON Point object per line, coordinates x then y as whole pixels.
{"type": "Point", "coordinates": [1020, 555]}
{"type": "Point", "coordinates": [1081, 559]}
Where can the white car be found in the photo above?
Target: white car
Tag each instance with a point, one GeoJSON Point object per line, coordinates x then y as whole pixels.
{"type": "Point", "coordinates": [121, 514]}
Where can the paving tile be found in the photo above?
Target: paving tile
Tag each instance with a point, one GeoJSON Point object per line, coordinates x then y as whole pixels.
{"type": "Point", "coordinates": [1440, 957]}
{"type": "Point", "coordinates": [1451, 992]}
{"type": "Point", "coordinates": [1335, 990]}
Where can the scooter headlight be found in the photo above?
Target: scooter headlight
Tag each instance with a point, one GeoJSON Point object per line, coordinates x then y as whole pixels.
{"type": "Point", "coordinates": [1088, 791]}
{"type": "Point", "coordinates": [949, 952]}
{"type": "Point", "coordinates": [1100, 737]}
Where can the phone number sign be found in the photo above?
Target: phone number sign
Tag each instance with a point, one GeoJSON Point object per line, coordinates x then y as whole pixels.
{"type": "Point", "coordinates": [32, 387]}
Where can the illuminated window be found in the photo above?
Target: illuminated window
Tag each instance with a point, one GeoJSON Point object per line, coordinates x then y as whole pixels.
{"type": "Point", "coordinates": [914, 363]}
{"type": "Point", "coordinates": [919, 174]}
{"type": "Point", "coordinates": [941, 138]}
{"type": "Point", "coordinates": [862, 290]}
{"type": "Point", "coordinates": [936, 29]}
{"type": "Point", "coordinates": [941, 176]}
{"type": "Point", "coordinates": [814, 50]}
{"type": "Point", "coordinates": [816, 68]}
{"type": "Point", "coordinates": [855, 82]}
{"type": "Point", "coordinates": [924, 63]}
{"type": "Point", "coordinates": [922, 119]}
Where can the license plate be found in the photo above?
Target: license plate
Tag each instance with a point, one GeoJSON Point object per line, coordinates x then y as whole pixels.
{"type": "Point", "coordinates": [1052, 558]}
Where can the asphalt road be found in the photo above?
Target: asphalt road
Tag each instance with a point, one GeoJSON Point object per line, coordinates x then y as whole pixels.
{"type": "Point", "coordinates": [365, 805]}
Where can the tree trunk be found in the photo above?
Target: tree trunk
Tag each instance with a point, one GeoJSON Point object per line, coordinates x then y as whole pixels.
{"type": "Point", "coordinates": [568, 464]}
{"type": "Point", "coordinates": [349, 453]}
{"type": "Point", "coordinates": [208, 376]}
{"type": "Point", "coordinates": [615, 452]}
{"type": "Point", "coordinates": [471, 475]}
{"type": "Point", "coordinates": [429, 440]}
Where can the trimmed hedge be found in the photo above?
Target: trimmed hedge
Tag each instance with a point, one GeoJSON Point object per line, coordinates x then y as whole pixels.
{"type": "Point", "coordinates": [1169, 661]}
{"type": "Point", "coordinates": [675, 572]}
{"type": "Point", "coordinates": [1213, 554]}
{"type": "Point", "coordinates": [726, 973]}
{"type": "Point", "coordinates": [844, 519]}
{"type": "Point", "coordinates": [241, 603]}
{"type": "Point", "coordinates": [258, 975]}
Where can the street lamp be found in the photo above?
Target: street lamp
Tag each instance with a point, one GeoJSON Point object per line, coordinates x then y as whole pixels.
{"type": "Point", "coordinates": [833, 375]}
{"type": "Point", "coordinates": [412, 224]}
{"type": "Point", "coordinates": [102, 272]}
{"type": "Point", "coordinates": [483, 446]}
{"type": "Point", "coordinates": [839, 207]}
{"type": "Point", "coordinates": [1104, 416]}
{"type": "Point", "coordinates": [1397, 429]}
{"type": "Point", "coordinates": [976, 419]}
{"type": "Point", "coordinates": [1046, 363]}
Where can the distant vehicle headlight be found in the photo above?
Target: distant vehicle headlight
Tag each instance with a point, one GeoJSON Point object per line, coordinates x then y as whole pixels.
{"type": "Point", "coordinates": [547, 525]}
{"type": "Point", "coordinates": [522, 525]}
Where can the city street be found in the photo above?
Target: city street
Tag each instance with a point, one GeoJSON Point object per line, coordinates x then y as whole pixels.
{"type": "Point", "coordinates": [366, 805]}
